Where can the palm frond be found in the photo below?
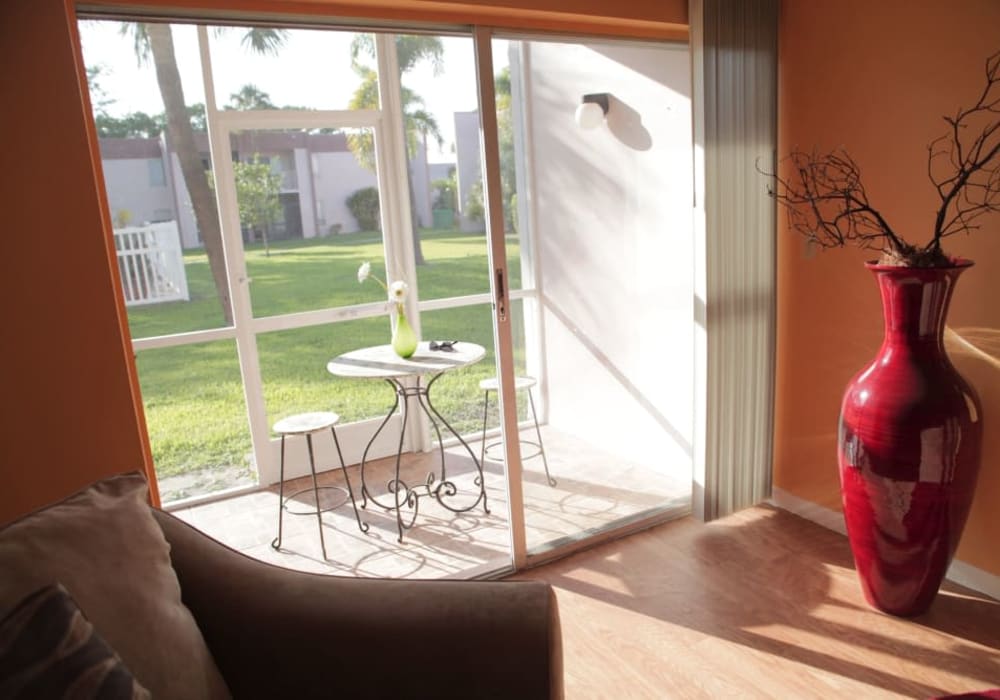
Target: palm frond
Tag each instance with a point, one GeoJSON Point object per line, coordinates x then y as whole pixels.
{"type": "Point", "coordinates": [140, 39]}
{"type": "Point", "coordinates": [264, 40]}
{"type": "Point", "coordinates": [362, 44]}
{"type": "Point", "coordinates": [425, 123]}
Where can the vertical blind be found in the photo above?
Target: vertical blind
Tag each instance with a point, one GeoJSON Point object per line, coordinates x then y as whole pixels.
{"type": "Point", "coordinates": [735, 84]}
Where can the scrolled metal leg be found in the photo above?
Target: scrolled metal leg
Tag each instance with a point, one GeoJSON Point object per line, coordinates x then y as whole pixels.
{"type": "Point", "coordinates": [486, 410]}
{"type": "Point", "coordinates": [538, 433]}
{"type": "Point", "coordinates": [437, 431]}
{"type": "Point", "coordinates": [479, 466]}
{"type": "Point", "coordinates": [276, 542]}
{"type": "Point", "coordinates": [395, 485]}
{"type": "Point", "coordinates": [319, 514]}
{"type": "Point", "coordinates": [365, 494]}
{"type": "Point", "coordinates": [350, 492]}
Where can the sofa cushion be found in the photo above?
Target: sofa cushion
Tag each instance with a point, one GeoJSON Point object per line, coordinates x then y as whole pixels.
{"type": "Point", "coordinates": [104, 546]}
{"type": "Point", "coordinates": [48, 649]}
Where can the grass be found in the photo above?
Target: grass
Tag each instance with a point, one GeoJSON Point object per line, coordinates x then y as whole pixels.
{"type": "Point", "coordinates": [193, 394]}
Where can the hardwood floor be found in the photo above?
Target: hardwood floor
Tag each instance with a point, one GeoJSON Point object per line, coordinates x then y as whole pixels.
{"type": "Point", "coordinates": [762, 604]}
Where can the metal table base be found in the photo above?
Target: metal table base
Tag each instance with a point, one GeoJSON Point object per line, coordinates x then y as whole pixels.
{"type": "Point", "coordinates": [437, 486]}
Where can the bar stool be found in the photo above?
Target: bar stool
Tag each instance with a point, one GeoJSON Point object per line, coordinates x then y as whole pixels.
{"type": "Point", "coordinates": [520, 383]}
{"type": "Point", "coordinates": [309, 424]}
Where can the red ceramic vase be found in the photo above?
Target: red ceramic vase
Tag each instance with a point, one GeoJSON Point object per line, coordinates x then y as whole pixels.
{"type": "Point", "coordinates": [909, 444]}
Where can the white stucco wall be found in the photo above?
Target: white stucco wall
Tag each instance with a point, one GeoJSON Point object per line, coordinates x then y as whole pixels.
{"type": "Point", "coordinates": [420, 173]}
{"type": "Point", "coordinates": [612, 217]}
{"type": "Point", "coordinates": [336, 176]}
{"type": "Point", "coordinates": [130, 189]}
{"type": "Point", "coordinates": [307, 206]}
{"type": "Point", "coordinates": [468, 167]}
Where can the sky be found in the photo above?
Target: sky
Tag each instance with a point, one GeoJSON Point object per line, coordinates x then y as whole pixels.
{"type": "Point", "coordinates": [312, 70]}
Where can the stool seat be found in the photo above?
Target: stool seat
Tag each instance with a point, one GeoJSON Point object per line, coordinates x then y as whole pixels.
{"type": "Point", "coordinates": [520, 383]}
{"type": "Point", "coordinates": [303, 423]}
{"type": "Point", "coordinates": [493, 384]}
{"type": "Point", "coordinates": [307, 424]}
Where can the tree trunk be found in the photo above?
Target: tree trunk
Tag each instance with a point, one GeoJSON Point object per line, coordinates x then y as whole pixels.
{"type": "Point", "coordinates": [418, 253]}
{"type": "Point", "coordinates": [181, 134]}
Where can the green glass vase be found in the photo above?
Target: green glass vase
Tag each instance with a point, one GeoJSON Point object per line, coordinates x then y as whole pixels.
{"type": "Point", "coordinates": [404, 340]}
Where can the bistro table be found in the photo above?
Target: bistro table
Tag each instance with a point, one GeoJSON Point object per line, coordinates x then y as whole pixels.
{"type": "Point", "coordinates": [381, 362]}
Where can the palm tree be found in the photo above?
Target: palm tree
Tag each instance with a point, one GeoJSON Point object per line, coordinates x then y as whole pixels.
{"type": "Point", "coordinates": [417, 122]}
{"type": "Point", "coordinates": [156, 41]}
{"type": "Point", "coordinates": [250, 97]}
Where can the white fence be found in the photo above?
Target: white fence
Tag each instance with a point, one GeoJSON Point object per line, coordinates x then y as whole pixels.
{"type": "Point", "coordinates": [151, 263]}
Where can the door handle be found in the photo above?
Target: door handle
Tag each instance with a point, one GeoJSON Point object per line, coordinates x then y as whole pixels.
{"type": "Point", "coordinates": [501, 296]}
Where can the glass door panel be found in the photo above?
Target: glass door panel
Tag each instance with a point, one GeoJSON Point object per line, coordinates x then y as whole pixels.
{"type": "Point", "coordinates": [439, 99]}
{"type": "Point", "coordinates": [605, 231]}
{"type": "Point", "coordinates": [196, 417]}
{"type": "Point", "coordinates": [164, 217]}
{"type": "Point", "coordinates": [170, 253]}
{"type": "Point", "coordinates": [150, 258]}
{"type": "Point", "coordinates": [293, 369]}
{"type": "Point", "coordinates": [307, 301]}
{"type": "Point", "coordinates": [461, 397]}
{"type": "Point", "coordinates": [309, 217]}
{"type": "Point", "coordinates": [269, 68]}
{"type": "Point", "coordinates": [295, 379]}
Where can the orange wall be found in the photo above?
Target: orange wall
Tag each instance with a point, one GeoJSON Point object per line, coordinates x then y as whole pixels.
{"type": "Point", "coordinates": [875, 78]}
{"type": "Point", "coordinates": [68, 385]}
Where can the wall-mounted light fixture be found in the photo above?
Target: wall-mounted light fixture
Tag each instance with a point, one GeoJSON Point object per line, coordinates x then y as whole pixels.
{"type": "Point", "coordinates": [592, 110]}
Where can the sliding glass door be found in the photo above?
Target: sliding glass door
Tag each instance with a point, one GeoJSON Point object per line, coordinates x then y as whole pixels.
{"type": "Point", "coordinates": [594, 157]}
{"type": "Point", "coordinates": [452, 162]}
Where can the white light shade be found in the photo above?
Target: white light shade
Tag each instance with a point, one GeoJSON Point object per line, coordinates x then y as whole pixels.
{"type": "Point", "coordinates": [589, 115]}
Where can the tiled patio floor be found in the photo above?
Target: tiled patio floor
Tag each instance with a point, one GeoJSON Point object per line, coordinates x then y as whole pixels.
{"type": "Point", "coordinates": [593, 490]}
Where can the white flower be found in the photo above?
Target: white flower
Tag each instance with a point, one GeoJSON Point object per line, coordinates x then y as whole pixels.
{"type": "Point", "coordinates": [364, 271]}
{"type": "Point", "coordinates": [397, 291]}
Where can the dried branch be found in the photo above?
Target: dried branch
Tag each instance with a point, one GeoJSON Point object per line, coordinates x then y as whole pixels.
{"type": "Point", "coordinates": [968, 181]}
{"type": "Point", "coordinates": [827, 203]}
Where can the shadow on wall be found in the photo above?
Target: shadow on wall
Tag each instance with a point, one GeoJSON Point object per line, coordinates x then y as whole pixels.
{"type": "Point", "coordinates": [625, 124]}
{"type": "Point", "coordinates": [976, 354]}
{"type": "Point", "coordinates": [619, 376]}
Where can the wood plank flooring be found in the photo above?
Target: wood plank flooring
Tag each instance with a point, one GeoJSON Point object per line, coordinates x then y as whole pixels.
{"type": "Point", "coordinates": [762, 604]}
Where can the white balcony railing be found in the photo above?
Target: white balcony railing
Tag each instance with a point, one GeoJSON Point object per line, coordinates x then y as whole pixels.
{"type": "Point", "coordinates": [151, 263]}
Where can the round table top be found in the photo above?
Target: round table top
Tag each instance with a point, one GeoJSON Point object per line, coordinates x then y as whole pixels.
{"type": "Point", "coordinates": [381, 362]}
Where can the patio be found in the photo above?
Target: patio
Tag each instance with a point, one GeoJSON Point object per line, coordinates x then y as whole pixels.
{"type": "Point", "coordinates": [594, 490]}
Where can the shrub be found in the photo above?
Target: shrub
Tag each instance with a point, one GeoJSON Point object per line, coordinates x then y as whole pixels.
{"type": "Point", "coordinates": [365, 208]}
{"type": "Point", "coordinates": [445, 196]}
{"type": "Point", "coordinates": [474, 206]}
{"type": "Point", "coordinates": [123, 217]}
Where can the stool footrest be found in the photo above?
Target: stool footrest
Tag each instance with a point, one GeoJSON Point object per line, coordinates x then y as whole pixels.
{"type": "Point", "coordinates": [529, 443]}
{"type": "Point", "coordinates": [312, 510]}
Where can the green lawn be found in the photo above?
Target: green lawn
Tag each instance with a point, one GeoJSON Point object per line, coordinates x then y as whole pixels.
{"type": "Point", "coordinates": [193, 395]}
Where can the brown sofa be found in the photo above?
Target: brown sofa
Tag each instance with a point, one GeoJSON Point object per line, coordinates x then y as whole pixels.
{"type": "Point", "coordinates": [280, 633]}
{"type": "Point", "coordinates": [188, 617]}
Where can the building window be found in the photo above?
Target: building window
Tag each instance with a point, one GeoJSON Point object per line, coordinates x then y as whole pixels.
{"type": "Point", "coordinates": [157, 178]}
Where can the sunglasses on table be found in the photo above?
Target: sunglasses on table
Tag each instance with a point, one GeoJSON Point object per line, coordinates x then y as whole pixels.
{"type": "Point", "coordinates": [443, 345]}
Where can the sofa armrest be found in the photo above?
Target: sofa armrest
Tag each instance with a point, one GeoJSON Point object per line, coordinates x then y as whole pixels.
{"type": "Point", "coordinates": [275, 632]}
